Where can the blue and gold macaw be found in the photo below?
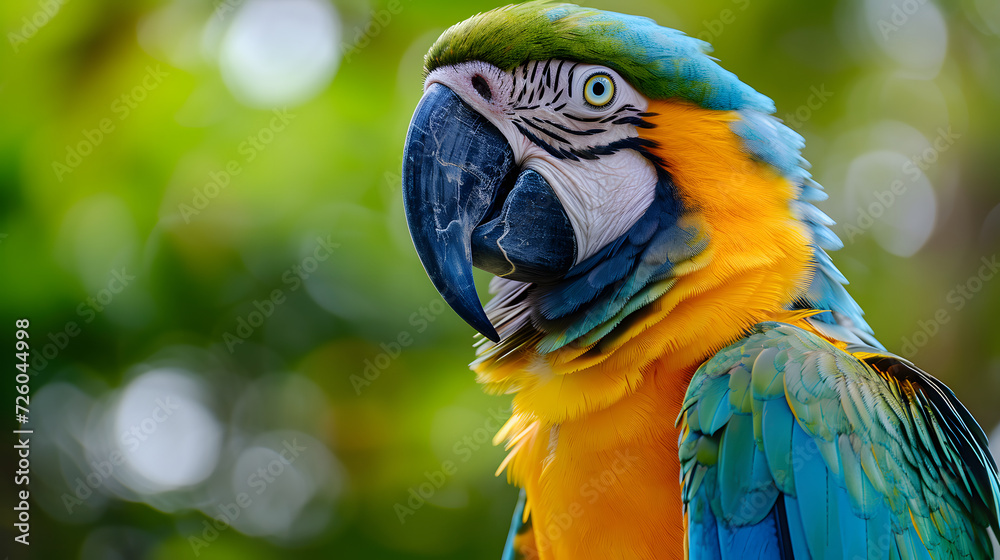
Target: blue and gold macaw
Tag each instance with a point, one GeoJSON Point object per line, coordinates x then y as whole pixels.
{"type": "Point", "coordinates": [690, 378]}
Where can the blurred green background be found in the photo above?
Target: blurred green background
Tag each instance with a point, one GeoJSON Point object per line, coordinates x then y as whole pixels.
{"type": "Point", "coordinates": [200, 216]}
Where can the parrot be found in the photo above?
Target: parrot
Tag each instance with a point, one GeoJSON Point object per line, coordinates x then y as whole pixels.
{"type": "Point", "coordinates": [689, 376]}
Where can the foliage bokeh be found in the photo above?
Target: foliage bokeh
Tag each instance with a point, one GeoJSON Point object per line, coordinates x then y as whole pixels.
{"type": "Point", "coordinates": [169, 169]}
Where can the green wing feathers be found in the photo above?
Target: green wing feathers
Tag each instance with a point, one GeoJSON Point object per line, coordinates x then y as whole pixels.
{"type": "Point", "coordinates": [792, 447]}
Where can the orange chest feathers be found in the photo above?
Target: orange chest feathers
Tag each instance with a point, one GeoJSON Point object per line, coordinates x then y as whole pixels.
{"type": "Point", "coordinates": [606, 485]}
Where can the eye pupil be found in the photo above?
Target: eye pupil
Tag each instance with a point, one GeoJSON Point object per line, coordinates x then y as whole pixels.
{"type": "Point", "coordinates": [598, 89]}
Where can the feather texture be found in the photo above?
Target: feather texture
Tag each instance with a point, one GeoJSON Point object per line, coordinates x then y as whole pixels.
{"type": "Point", "coordinates": [881, 459]}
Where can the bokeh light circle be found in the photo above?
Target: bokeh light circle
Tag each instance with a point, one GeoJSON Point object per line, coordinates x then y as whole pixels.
{"type": "Point", "coordinates": [280, 52]}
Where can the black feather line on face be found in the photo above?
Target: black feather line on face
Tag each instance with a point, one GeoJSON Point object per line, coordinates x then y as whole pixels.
{"type": "Point", "coordinates": [583, 154]}
{"type": "Point", "coordinates": [570, 130]}
{"type": "Point", "coordinates": [538, 141]}
{"type": "Point", "coordinates": [548, 133]}
{"type": "Point", "coordinates": [581, 119]}
{"type": "Point", "coordinates": [640, 145]}
{"type": "Point", "coordinates": [636, 143]}
{"type": "Point", "coordinates": [634, 121]}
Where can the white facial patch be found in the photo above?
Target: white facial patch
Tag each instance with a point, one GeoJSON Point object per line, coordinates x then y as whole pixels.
{"type": "Point", "coordinates": [575, 124]}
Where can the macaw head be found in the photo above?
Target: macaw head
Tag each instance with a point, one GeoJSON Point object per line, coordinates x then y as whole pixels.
{"type": "Point", "coordinates": [629, 194]}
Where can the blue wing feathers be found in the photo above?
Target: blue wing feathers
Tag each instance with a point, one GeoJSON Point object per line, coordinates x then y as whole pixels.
{"type": "Point", "coordinates": [747, 491]}
{"type": "Point", "coordinates": [853, 534]}
{"type": "Point", "coordinates": [818, 505]}
{"type": "Point", "coordinates": [815, 453]}
{"type": "Point", "coordinates": [777, 425]}
{"type": "Point", "coordinates": [703, 536]}
{"type": "Point", "coordinates": [763, 540]}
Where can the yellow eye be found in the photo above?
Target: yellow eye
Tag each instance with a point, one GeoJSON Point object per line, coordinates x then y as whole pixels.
{"type": "Point", "coordinates": [599, 90]}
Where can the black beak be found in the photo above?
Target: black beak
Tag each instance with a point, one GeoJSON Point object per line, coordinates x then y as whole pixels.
{"type": "Point", "coordinates": [465, 205]}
